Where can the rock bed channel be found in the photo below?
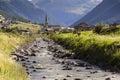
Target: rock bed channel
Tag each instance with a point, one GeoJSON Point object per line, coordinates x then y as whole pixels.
{"type": "Point", "coordinates": [44, 60]}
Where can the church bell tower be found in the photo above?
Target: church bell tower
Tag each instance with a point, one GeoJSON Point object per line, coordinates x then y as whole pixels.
{"type": "Point", "coordinates": [46, 22]}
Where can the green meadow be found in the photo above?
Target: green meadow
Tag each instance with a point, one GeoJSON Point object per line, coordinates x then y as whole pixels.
{"type": "Point", "coordinates": [102, 49]}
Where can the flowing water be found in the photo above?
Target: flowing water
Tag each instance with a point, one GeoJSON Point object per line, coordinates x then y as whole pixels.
{"type": "Point", "coordinates": [44, 66]}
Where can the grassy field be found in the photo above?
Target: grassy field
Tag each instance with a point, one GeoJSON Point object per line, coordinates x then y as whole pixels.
{"type": "Point", "coordinates": [31, 27]}
{"type": "Point", "coordinates": [103, 50]}
{"type": "Point", "coordinates": [9, 69]}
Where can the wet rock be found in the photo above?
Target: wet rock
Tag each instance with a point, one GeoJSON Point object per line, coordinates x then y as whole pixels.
{"type": "Point", "coordinates": [27, 52]}
{"type": "Point", "coordinates": [105, 75]}
{"type": "Point", "coordinates": [34, 70]}
{"type": "Point", "coordinates": [27, 69]}
{"type": "Point", "coordinates": [108, 78]}
{"type": "Point", "coordinates": [22, 59]}
{"type": "Point", "coordinates": [93, 72]}
{"type": "Point", "coordinates": [77, 79]}
{"type": "Point", "coordinates": [32, 67]}
{"type": "Point", "coordinates": [67, 67]}
{"type": "Point", "coordinates": [18, 55]}
{"type": "Point", "coordinates": [44, 77]}
{"type": "Point", "coordinates": [34, 62]}
{"type": "Point", "coordinates": [69, 76]}
{"type": "Point", "coordinates": [35, 45]}
{"type": "Point", "coordinates": [89, 67]}
{"type": "Point", "coordinates": [14, 57]}
{"type": "Point", "coordinates": [88, 76]}
{"type": "Point", "coordinates": [40, 67]}
{"type": "Point", "coordinates": [78, 70]}
{"type": "Point", "coordinates": [33, 54]}
{"type": "Point", "coordinates": [28, 61]}
{"type": "Point", "coordinates": [23, 65]}
{"type": "Point", "coordinates": [50, 68]}
{"type": "Point", "coordinates": [28, 73]}
{"type": "Point", "coordinates": [113, 76]}
{"type": "Point", "coordinates": [53, 58]}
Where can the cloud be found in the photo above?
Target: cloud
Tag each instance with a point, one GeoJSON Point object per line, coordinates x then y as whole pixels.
{"type": "Point", "coordinates": [83, 7]}
{"type": "Point", "coordinates": [78, 11]}
{"type": "Point", "coordinates": [29, 0]}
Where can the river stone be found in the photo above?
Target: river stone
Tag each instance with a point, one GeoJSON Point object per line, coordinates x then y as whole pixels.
{"type": "Point", "coordinates": [89, 67]}
{"type": "Point", "coordinates": [69, 76]}
{"type": "Point", "coordinates": [33, 54]}
{"type": "Point", "coordinates": [93, 72]}
{"type": "Point", "coordinates": [108, 78]}
{"type": "Point", "coordinates": [22, 59]}
{"type": "Point", "coordinates": [14, 57]}
{"type": "Point", "coordinates": [34, 62]}
{"type": "Point", "coordinates": [34, 70]}
{"type": "Point", "coordinates": [77, 79]}
{"type": "Point", "coordinates": [44, 77]}
{"type": "Point", "coordinates": [67, 68]}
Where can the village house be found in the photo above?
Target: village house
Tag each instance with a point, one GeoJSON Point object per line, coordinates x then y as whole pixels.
{"type": "Point", "coordinates": [2, 20]}
{"type": "Point", "coordinates": [82, 27]}
{"type": "Point", "coordinates": [53, 28]}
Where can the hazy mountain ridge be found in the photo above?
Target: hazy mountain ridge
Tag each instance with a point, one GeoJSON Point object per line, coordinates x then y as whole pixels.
{"type": "Point", "coordinates": [107, 12]}
{"type": "Point", "coordinates": [13, 17]}
{"type": "Point", "coordinates": [67, 11]}
{"type": "Point", "coordinates": [25, 9]}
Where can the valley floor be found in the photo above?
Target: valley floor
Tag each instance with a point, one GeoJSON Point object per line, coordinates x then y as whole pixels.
{"type": "Point", "coordinates": [43, 65]}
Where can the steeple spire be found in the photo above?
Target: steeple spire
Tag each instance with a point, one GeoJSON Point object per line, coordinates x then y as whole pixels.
{"type": "Point", "coordinates": [46, 21]}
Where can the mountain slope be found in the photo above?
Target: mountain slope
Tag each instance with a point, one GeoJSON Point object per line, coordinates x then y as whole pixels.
{"type": "Point", "coordinates": [7, 15]}
{"type": "Point", "coordinates": [23, 8]}
{"type": "Point", "coordinates": [106, 12]}
{"type": "Point", "coordinates": [67, 11]}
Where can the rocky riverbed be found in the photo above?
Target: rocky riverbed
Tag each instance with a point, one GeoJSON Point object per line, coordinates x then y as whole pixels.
{"type": "Point", "coordinates": [45, 60]}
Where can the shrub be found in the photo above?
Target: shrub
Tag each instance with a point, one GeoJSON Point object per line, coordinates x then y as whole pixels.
{"type": "Point", "coordinates": [99, 28]}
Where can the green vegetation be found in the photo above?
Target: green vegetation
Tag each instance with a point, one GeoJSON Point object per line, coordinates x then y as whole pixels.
{"type": "Point", "coordinates": [105, 30]}
{"type": "Point", "coordinates": [9, 69]}
{"type": "Point", "coordinates": [100, 49]}
{"type": "Point", "coordinates": [31, 27]}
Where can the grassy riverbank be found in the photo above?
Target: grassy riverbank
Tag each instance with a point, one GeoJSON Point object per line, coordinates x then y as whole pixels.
{"type": "Point", "coordinates": [103, 50]}
{"type": "Point", "coordinates": [9, 69]}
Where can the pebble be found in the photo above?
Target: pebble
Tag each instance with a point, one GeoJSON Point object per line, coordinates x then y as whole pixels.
{"type": "Point", "coordinates": [108, 78]}
{"type": "Point", "coordinates": [31, 67]}
{"type": "Point", "coordinates": [43, 77]}
{"type": "Point", "coordinates": [93, 72]}
{"type": "Point", "coordinates": [89, 67]}
{"type": "Point", "coordinates": [34, 62]}
{"type": "Point", "coordinates": [77, 79]}
{"type": "Point", "coordinates": [34, 70]}
{"type": "Point", "coordinates": [69, 76]}
{"type": "Point", "coordinates": [22, 59]}
{"type": "Point", "coordinates": [33, 54]}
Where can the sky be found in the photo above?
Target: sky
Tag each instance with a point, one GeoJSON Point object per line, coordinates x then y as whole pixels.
{"type": "Point", "coordinates": [67, 11]}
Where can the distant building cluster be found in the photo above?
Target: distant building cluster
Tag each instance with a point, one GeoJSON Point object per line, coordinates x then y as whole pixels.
{"type": "Point", "coordinates": [4, 22]}
{"type": "Point", "coordinates": [83, 27]}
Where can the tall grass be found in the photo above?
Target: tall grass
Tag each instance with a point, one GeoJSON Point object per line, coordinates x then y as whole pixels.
{"type": "Point", "coordinates": [9, 69]}
{"type": "Point", "coordinates": [103, 50]}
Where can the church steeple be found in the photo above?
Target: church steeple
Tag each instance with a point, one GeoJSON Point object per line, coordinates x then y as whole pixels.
{"type": "Point", "coordinates": [46, 21]}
